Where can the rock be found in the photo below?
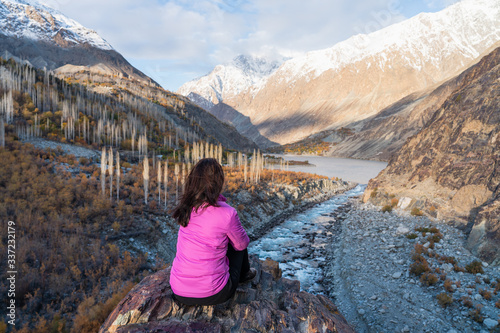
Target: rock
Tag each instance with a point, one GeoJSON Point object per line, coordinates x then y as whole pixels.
{"type": "Point", "coordinates": [397, 275]}
{"type": "Point", "coordinates": [404, 202]}
{"type": "Point", "coordinates": [490, 323]}
{"type": "Point", "coordinates": [478, 297]}
{"type": "Point", "coordinates": [406, 329]}
{"type": "Point", "coordinates": [402, 230]}
{"type": "Point", "coordinates": [361, 311]}
{"type": "Point", "coordinates": [269, 303]}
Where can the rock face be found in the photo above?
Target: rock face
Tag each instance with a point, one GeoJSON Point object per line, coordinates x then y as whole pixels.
{"type": "Point", "coordinates": [267, 304]}
{"type": "Point", "coordinates": [451, 169]}
{"type": "Point", "coordinates": [356, 79]}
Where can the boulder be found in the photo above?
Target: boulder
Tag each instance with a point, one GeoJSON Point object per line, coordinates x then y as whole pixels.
{"type": "Point", "coordinates": [268, 303]}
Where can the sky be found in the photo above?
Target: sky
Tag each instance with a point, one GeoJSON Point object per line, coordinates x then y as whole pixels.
{"type": "Point", "coordinates": [175, 41]}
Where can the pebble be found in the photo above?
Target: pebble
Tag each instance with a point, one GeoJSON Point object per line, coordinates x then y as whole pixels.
{"type": "Point", "coordinates": [490, 323]}
{"type": "Point", "coordinates": [398, 299]}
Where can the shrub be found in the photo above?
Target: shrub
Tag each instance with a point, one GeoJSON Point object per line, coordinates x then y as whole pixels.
{"type": "Point", "coordinates": [448, 286]}
{"type": "Point", "coordinates": [412, 236]}
{"type": "Point", "coordinates": [449, 260]}
{"type": "Point", "coordinates": [486, 294]}
{"type": "Point", "coordinates": [374, 193]}
{"type": "Point", "coordinates": [444, 299]}
{"type": "Point", "coordinates": [387, 209]}
{"type": "Point", "coordinates": [428, 279]}
{"type": "Point", "coordinates": [419, 249]}
{"type": "Point", "coordinates": [474, 267]}
{"type": "Point", "coordinates": [434, 230]}
{"type": "Point", "coordinates": [467, 301]}
{"type": "Point", "coordinates": [416, 212]}
{"type": "Point", "coordinates": [435, 238]}
{"type": "Point", "coordinates": [394, 202]}
{"type": "Point", "coordinates": [420, 266]}
{"type": "Point", "coordinates": [476, 314]}
{"type": "Point", "coordinates": [497, 304]}
{"type": "Point", "coordinates": [457, 268]}
{"type": "Point", "coordinates": [421, 229]}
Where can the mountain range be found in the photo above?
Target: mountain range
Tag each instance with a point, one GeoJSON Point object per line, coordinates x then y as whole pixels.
{"type": "Point", "coordinates": [354, 80]}
{"type": "Point", "coordinates": [40, 36]}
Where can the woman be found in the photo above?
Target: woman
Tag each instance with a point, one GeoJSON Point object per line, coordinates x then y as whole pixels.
{"type": "Point", "coordinates": [212, 255]}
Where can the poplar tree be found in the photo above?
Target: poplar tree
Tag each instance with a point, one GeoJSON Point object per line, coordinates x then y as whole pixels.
{"type": "Point", "coordinates": [165, 181]}
{"type": "Point", "coordinates": [159, 183]}
{"type": "Point", "coordinates": [145, 176]}
{"type": "Point", "coordinates": [118, 172]}
{"type": "Point", "coordinates": [110, 170]}
{"type": "Point", "coordinates": [176, 173]}
{"type": "Point", "coordinates": [103, 171]}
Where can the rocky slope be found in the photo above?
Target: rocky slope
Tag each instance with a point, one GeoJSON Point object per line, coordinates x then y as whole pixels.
{"type": "Point", "coordinates": [268, 303]}
{"type": "Point", "coordinates": [357, 78]}
{"type": "Point", "coordinates": [450, 169]}
{"type": "Point", "coordinates": [372, 282]}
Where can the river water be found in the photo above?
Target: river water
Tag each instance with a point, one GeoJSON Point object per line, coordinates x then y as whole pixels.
{"type": "Point", "coordinates": [359, 171]}
{"type": "Point", "coordinates": [299, 244]}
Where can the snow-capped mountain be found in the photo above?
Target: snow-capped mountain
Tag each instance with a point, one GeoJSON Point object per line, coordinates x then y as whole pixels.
{"type": "Point", "coordinates": [46, 38]}
{"type": "Point", "coordinates": [229, 80]}
{"type": "Point", "coordinates": [32, 20]}
{"type": "Point", "coordinates": [357, 78]}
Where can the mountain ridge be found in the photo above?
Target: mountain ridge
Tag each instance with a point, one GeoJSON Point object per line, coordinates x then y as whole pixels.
{"type": "Point", "coordinates": [322, 90]}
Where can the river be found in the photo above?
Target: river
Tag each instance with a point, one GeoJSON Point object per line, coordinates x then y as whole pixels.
{"type": "Point", "coordinates": [359, 171]}
{"type": "Point", "coordinates": [299, 244]}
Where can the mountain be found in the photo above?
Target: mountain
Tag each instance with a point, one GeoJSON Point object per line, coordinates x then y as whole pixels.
{"type": "Point", "coordinates": [381, 136]}
{"type": "Point", "coordinates": [451, 169]}
{"type": "Point", "coordinates": [228, 80]}
{"type": "Point", "coordinates": [357, 78]}
{"type": "Point", "coordinates": [46, 38]}
{"type": "Point", "coordinates": [225, 81]}
{"type": "Point", "coordinates": [34, 34]}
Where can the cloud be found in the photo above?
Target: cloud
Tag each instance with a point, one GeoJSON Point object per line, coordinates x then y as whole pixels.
{"type": "Point", "coordinates": [204, 33]}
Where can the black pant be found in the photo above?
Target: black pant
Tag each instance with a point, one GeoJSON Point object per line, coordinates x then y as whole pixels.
{"type": "Point", "coordinates": [238, 267]}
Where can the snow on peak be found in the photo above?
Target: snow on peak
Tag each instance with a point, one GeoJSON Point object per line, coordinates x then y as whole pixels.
{"type": "Point", "coordinates": [33, 20]}
{"type": "Point", "coordinates": [230, 79]}
{"type": "Point", "coordinates": [464, 27]}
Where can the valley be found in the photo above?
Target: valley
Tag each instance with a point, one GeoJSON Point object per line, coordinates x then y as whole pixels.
{"type": "Point", "coordinates": [390, 209]}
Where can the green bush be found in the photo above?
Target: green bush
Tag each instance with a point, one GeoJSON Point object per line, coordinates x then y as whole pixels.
{"type": "Point", "coordinates": [412, 236]}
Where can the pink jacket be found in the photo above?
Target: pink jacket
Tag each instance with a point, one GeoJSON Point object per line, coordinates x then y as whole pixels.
{"type": "Point", "coordinates": [201, 268]}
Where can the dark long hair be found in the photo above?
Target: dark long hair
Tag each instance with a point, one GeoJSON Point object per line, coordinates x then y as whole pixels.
{"type": "Point", "coordinates": [203, 187]}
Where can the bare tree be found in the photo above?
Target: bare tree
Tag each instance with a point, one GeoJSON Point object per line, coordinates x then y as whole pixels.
{"type": "Point", "coordinates": [118, 172]}
{"type": "Point", "coordinates": [103, 171]}
{"type": "Point", "coordinates": [110, 169]}
{"type": "Point", "coordinates": [145, 176]}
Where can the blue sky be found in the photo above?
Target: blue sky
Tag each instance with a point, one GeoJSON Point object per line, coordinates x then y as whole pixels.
{"type": "Point", "coordinates": [175, 41]}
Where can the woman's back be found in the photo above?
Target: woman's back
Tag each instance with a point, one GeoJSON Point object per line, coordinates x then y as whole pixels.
{"type": "Point", "coordinates": [201, 267]}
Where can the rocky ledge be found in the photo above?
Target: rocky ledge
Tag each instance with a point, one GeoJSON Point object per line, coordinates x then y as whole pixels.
{"type": "Point", "coordinates": [268, 303]}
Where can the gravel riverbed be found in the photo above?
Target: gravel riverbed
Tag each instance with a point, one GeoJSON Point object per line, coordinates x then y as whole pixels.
{"type": "Point", "coordinates": [369, 278]}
